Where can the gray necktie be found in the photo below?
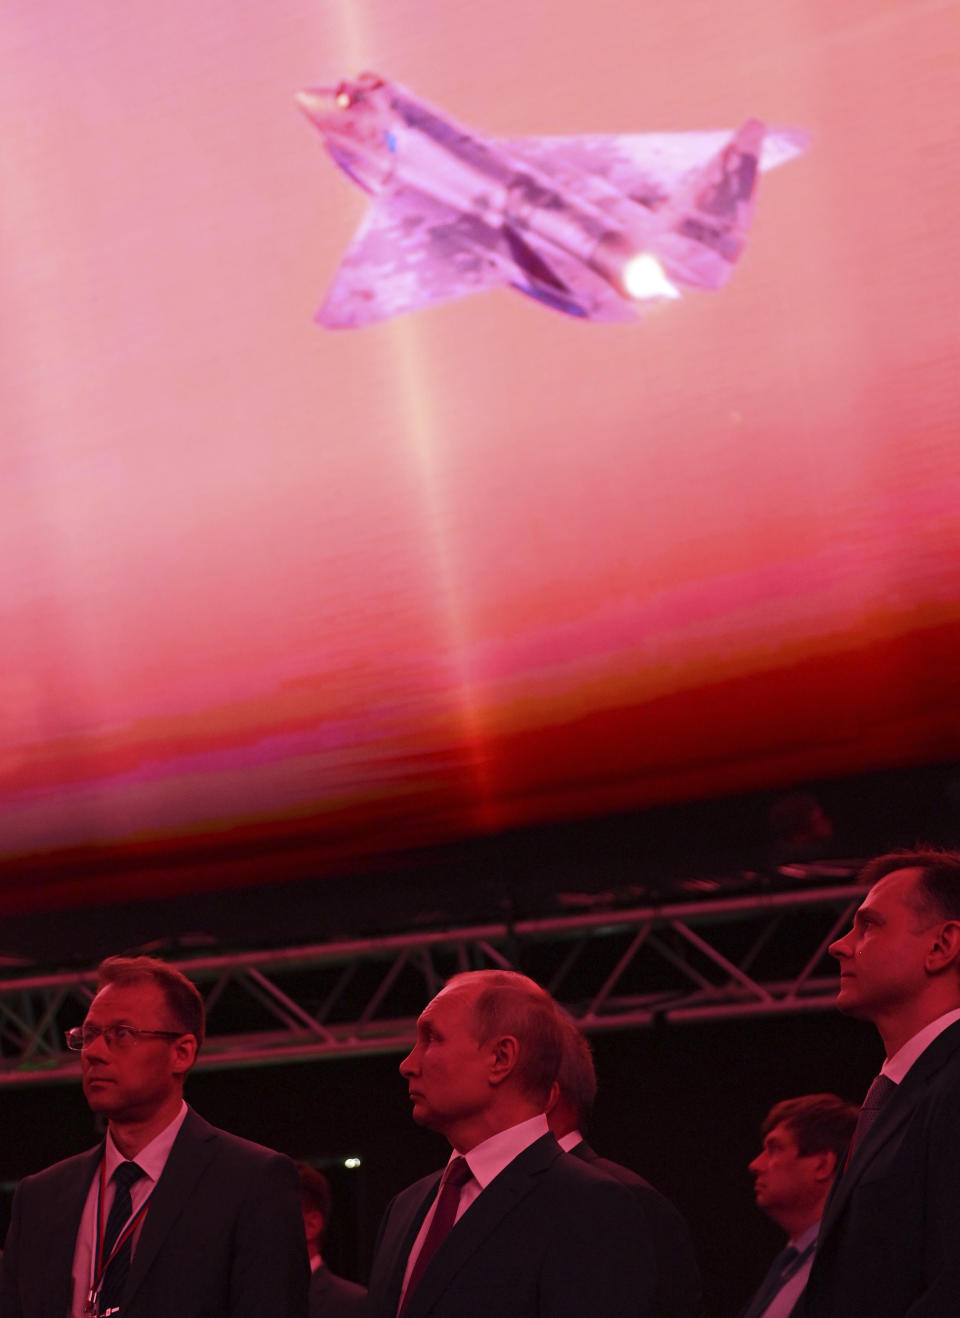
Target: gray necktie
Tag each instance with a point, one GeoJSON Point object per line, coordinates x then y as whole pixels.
{"type": "Point", "coordinates": [879, 1092]}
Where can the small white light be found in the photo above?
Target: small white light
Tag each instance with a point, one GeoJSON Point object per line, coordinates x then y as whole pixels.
{"type": "Point", "coordinates": [343, 100]}
{"type": "Point", "coordinates": [643, 277]}
{"type": "Point", "coordinates": [352, 1163]}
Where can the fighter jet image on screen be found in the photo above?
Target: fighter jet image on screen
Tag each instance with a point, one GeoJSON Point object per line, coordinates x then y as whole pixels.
{"type": "Point", "coordinates": [595, 226]}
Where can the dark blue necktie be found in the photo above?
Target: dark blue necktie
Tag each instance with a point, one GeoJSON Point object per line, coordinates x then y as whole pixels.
{"type": "Point", "coordinates": [116, 1275]}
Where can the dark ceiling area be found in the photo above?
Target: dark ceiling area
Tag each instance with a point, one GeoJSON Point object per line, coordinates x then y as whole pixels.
{"type": "Point", "coordinates": [688, 852]}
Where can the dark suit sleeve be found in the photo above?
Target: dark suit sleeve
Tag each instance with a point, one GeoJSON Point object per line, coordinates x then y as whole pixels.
{"type": "Point", "coordinates": [35, 1274]}
{"type": "Point", "coordinates": [269, 1272]}
{"type": "Point", "coordinates": [9, 1280]}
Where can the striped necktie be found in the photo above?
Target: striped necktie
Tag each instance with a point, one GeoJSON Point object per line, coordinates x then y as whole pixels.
{"type": "Point", "coordinates": [116, 1275]}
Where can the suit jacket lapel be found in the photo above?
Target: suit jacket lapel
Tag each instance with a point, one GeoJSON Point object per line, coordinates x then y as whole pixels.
{"type": "Point", "coordinates": [394, 1250]}
{"type": "Point", "coordinates": [483, 1216]}
{"type": "Point", "coordinates": [192, 1150]}
{"type": "Point", "coordinates": [896, 1112]}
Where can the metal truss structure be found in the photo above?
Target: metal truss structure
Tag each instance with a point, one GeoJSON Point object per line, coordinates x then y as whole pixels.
{"type": "Point", "coordinates": [692, 961]}
{"type": "Point", "coordinates": [735, 956]}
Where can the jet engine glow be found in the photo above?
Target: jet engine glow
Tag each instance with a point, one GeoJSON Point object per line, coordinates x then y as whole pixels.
{"type": "Point", "coordinates": [643, 277]}
{"type": "Point", "coordinates": [595, 226]}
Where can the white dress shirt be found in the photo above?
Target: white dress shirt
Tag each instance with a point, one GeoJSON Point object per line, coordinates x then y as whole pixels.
{"type": "Point", "coordinates": [896, 1067]}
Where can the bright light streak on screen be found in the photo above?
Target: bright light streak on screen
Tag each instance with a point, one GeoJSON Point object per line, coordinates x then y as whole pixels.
{"type": "Point", "coordinates": [293, 596]}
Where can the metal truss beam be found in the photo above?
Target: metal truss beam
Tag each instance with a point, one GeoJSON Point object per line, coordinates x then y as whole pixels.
{"type": "Point", "coordinates": [740, 956]}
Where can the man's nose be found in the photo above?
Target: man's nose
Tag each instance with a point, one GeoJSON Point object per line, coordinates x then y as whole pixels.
{"type": "Point", "coordinates": [407, 1066]}
{"type": "Point", "coordinates": [96, 1049]}
{"type": "Point", "coordinates": [754, 1167]}
{"type": "Point", "coordinates": [839, 947]}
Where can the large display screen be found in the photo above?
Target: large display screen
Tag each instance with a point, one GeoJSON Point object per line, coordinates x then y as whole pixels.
{"type": "Point", "coordinates": [276, 596]}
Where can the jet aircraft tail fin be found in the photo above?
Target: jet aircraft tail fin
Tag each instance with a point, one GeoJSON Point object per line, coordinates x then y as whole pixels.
{"type": "Point", "coordinates": [707, 218]}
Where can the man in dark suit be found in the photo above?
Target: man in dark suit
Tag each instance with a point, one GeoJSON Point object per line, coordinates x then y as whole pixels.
{"type": "Point", "coordinates": [679, 1293]}
{"type": "Point", "coordinates": [518, 1228]}
{"type": "Point", "coordinates": [330, 1296]}
{"type": "Point", "coordinates": [168, 1216]}
{"type": "Point", "coordinates": [890, 1235]}
{"type": "Point", "coordinates": [804, 1142]}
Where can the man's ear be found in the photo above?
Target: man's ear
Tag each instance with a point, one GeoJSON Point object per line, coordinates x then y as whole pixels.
{"type": "Point", "coordinates": [553, 1098]}
{"type": "Point", "coordinates": [185, 1053]}
{"type": "Point", "coordinates": [825, 1167]}
{"type": "Point", "coordinates": [505, 1052]}
{"type": "Point", "coordinates": [945, 949]}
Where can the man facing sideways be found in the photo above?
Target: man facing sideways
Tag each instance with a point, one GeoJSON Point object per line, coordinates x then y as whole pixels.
{"type": "Point", "coordinates": [678, 1287]}
{"type": "Point", "coordinates": [518, 1228]}
{"type": "Point", "coordinates": [167, 1216]}
{"type": "Point", "coordinates": [330, 1296]}
{"type": "Point", "coordinates": [890, 1236]}
{"type": "Point", "coordinates": [804, 1142]}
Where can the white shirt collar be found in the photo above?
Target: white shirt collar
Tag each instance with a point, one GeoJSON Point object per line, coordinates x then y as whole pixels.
{"type": "Point", "coordinates": [488, 1159]}
{"type": "Point", "coordinates": [570, 1140]}
{"type": "Point", "coordinates": [152, 1158]}
{"type": "Point", "coordinates": [897, 1066]}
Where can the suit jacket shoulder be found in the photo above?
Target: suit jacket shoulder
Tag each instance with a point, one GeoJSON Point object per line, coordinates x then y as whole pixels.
{"type": "Point", "coordinates": [679, 1288]}
{"type": "Point", "coordinates": [224, 1232]}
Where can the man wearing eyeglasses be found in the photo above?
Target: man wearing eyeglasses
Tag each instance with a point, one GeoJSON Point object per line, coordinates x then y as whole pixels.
{"type": "Point", "coordinates": [168, 1216]}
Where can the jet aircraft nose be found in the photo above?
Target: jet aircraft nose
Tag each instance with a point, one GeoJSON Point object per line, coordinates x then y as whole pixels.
{"type": "Point", "coordinates": [318, 103]}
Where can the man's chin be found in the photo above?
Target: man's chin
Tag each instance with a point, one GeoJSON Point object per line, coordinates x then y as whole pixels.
{"type": "Point", "coordinates": [422, 1116]}
{"type": "Point", "coordinates": [100, 1095]}
{"type": "Point", "coordinates": [848, 1001]}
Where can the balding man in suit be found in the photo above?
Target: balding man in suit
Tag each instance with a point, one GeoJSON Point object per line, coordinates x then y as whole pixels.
{"type": "Point", "coordinates": [515, 1227]}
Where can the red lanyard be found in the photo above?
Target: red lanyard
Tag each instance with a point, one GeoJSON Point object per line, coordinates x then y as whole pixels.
{"type": "Point", "coordinates": [100, 1264]}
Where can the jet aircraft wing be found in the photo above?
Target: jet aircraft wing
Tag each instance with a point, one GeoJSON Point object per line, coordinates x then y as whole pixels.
{"type": "Point", "coordinates": [409, 252]}
{"type": "Point", "coordinates": [644, 166]}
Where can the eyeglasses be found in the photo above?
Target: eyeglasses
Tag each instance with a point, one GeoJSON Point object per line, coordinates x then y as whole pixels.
{"type": "Point", "coordinates": [116, 1037]}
